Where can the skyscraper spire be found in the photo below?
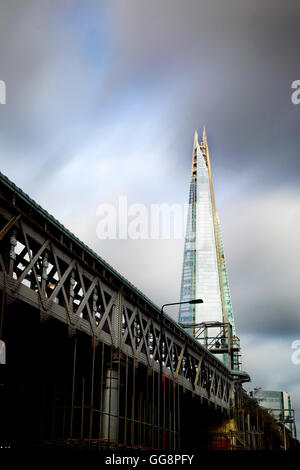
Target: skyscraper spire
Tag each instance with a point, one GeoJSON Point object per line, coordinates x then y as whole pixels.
{"type": "Point", "coordinates": [195, 138]}
{"type": "Point", "coordinates": [204, 138]}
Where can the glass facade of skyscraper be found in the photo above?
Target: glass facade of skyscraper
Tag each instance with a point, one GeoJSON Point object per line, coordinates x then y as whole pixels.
{"type": "Point", "coordinates": [204, 273]}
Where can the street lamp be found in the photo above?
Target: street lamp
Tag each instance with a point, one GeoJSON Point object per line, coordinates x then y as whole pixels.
{"type": "Point", "coordinates": [162, 409]}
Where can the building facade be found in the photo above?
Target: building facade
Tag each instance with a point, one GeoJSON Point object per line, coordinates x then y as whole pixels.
{"type": "Point", "coordinates": [279, 404]}
{"type": "Point", "coordinates": [204, 273]}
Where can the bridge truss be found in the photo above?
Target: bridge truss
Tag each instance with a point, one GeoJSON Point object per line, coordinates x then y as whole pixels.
{"type": "Point", "coordinates": [104, 337]}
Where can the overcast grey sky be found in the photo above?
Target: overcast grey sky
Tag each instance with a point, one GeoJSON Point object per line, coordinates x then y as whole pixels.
{"type": "Point", "coordinates": [103, 99]}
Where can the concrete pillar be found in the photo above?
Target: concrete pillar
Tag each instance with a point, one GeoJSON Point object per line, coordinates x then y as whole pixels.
{"type": "Point", "coordinates": [111, 394]}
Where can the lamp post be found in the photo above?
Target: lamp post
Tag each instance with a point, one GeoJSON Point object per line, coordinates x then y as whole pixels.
{"type": "Point", "coordinates": [162, 381]}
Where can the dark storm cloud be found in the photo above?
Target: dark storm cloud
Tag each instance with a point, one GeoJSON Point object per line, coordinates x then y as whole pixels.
{"type": "Point", "coordinates": [239, 60]}
{"type": "Point", "coordinates": [233, 61]}
{"type": "Point", "coordinates": [262, 246]}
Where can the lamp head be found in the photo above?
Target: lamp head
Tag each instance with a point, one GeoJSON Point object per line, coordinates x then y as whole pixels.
{"type": "Point", "coordinates": [196, 301]}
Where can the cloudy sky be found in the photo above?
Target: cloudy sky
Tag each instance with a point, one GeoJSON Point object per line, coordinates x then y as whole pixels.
{"type": "Point", "coordinates": [103, 99]}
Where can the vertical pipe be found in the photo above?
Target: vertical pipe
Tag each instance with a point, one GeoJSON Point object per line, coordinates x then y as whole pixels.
{"type": "Point", "coordinates": [243, 426]}
{"type": "Point", "coordinates": [73, 387]}
{"type": "Point", "coordinates": [53, 413]}
{"type": "Point", "coordinates": [64, 412]}
{"type": "Point", "coordinates": [118, 396]}
{"type": "Point", "coordinates": [132, 403]}
{"type": "Point", "coordinates": [161, 409]}
{"type": "Point", "coordinates": [92, 389]}
{"type": "Point", "coordinates": [110, 390]}
{"type": "Point", "coordinates": [82, 408]}
{"type": "Point", "coordinates": [43, 410]}
{"type": "Point", "coordinates": [248, 425]}
{"type": "Point", "coordinates": [178, 416]}
{"type": "Point", "coordinates": [164, 411]}
{"type": "Point", "coordinates": [174, 416]}
{"type": "Point", "coordinates": [146, 413]}
{"type": "Point", "coordinates": [153, 409]}
{"type": "Point", "coordinates": [140, 419]}
{"type": "Point", "coordinates": [170, 415]}
{"type": "Point", "coordinates": [101, 395]}
{"type": "Point", "coordinates": [159, 382]}
{"type": "Point", "coordinates": [126, 400]}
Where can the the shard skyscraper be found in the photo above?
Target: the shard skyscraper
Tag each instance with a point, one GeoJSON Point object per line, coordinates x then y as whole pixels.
{"type": "Point", "coordinates": [204, 273]}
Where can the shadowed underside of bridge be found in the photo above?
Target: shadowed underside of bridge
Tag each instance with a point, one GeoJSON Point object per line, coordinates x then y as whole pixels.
{"type": "Point", "coordinates": [59, 388]}
{"type": "Point", "coordinates": [84, 347]}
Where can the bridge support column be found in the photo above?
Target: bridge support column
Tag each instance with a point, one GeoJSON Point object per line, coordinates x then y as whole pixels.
{"type": "Point", "coordinates": [111, 395]}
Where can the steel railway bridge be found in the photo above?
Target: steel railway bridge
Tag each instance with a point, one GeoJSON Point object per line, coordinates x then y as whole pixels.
{"type": "Point", "coordinates": [81, 347]}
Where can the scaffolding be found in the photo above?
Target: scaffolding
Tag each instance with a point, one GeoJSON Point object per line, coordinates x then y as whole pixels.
{"type": "Point", "coordinates": [119, 406]}
{"type": "Point", "coordinates": [218, 338]}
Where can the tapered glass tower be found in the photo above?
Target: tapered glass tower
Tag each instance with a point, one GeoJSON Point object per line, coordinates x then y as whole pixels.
{"type": "Point", "coordinates": [204, 272]}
